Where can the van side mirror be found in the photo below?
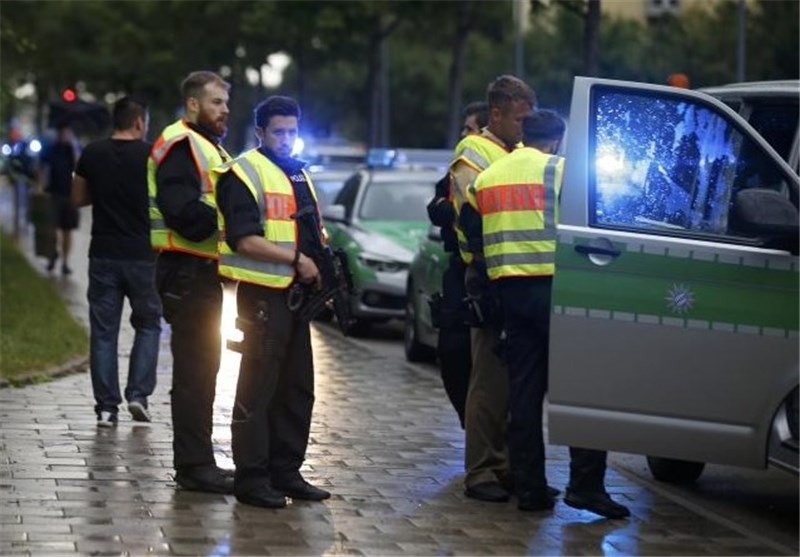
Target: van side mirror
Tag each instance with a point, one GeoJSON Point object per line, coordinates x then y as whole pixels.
{"type": "Point", "coordinates": [769, 215]}
{"type": "Point", "coordinates": [334, 213]}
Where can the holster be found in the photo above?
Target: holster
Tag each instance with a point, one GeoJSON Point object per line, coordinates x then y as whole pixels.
{"type": "Point", "coordinates": [449, 316]}
{"type": "Point", "coordinates": [174, 283]}
{"type": "Point", "coordinates": [255, 331]}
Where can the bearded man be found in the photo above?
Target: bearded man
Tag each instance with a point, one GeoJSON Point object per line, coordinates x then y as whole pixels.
{"type": "Point", "coordinates": [183, 229]}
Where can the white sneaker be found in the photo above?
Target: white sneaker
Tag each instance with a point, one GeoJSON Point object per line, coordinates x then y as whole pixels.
{"type": "Point", "coordinates": [138, 411]}
{"type": "Point", "coordinates": [106, 419]}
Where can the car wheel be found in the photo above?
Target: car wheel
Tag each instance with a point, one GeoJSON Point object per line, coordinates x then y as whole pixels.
{"type": "Point", "coordinates": [675, 471]}
{"type": "Point", "coordinates": [414, 349]}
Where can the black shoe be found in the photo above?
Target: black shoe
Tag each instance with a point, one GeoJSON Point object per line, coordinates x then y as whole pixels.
{"type": "Point", "coordinates": [598, 503]}
{"type": "Point", "coordinates": [51, 262]}
{"type": "Point", "coordinates": [65, 269]}
{"type": "Point", "coordinates": [204, 478]}
{"type": "Point", "coordinates": [492, 492]}
{"type": "Point", "coordinates": [507, 482]}
{"type": "Point", "coordinates": [301, 489]}
{"type": "Point", "coordinates": [262, 496]}
{"type": "Point", "coordinates": [535, 501]}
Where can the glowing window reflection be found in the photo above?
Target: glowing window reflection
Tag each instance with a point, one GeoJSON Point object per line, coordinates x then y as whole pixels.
{"type": "Point", "coordinates": [664, 164]}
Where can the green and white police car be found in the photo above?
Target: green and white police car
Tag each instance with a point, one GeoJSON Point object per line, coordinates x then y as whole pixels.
{"type": "Point", "coordinates": [378, 218]}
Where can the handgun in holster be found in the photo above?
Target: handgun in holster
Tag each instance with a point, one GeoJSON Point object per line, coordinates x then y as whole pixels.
{"type": "Point", "coordinates": [173, 287]}
{"type": "Point", "coordinates": [500, 347]}
{"type": "Point", "coordinates": [436, 305]}
{"type": "Point", "coordinates": [254, 330]}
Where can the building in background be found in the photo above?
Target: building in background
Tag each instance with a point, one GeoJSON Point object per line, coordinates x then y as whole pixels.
{"type": "Point", "coordinates": [648, 9]}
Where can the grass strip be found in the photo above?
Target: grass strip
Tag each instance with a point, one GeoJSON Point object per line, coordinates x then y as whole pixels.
{"type": "Point", "coordinates": [36, 329]}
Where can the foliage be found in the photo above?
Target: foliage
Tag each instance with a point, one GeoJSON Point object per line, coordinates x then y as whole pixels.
{"type": "Point", "coordinates": [440, 54]}
{"type": "Point", "coordinates": [36, 330]}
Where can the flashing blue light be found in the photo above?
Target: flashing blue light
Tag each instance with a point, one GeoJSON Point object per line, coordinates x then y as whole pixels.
{"type": "Point", "coordinates": [6, 150]}
{"type": "Point", "coordinates": [35, 146]}
{"type": "Point", "coordinates": [381, 157]}
{"type": "Point", "coordinates": [299, 145]}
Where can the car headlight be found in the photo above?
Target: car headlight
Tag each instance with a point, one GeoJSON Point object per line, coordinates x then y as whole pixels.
{"type": "Point", "coordinates": [381, 263]}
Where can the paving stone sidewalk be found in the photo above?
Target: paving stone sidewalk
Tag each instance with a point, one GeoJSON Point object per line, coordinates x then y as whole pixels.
{"type": "Point", "coordinates": [383, 440]}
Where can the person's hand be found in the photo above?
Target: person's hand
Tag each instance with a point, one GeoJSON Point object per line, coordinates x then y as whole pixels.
{"type": "Point", "coordinates": [308, 272]}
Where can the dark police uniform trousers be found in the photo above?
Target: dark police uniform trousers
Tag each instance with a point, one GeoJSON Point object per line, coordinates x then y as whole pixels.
{"type": "Point", "coordinates": [453, 347]}
{"type": "Point", "coordinates": [191, 296]}
{"type": "Point", "coordinates": [275, 392]}
{"type": "Point", "coordinates": [526, 319]}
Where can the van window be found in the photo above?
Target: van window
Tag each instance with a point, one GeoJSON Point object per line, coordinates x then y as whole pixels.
{"type": "Point", "coordinates": [777, 123]}
{"type": "Point", "coordinates": [668, 166]}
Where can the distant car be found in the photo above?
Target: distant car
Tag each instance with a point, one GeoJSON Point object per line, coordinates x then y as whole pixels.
{"type": "Point", "coordinates": [378, 218]}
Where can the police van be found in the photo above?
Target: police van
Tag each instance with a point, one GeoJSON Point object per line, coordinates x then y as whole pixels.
{"type": "Point", "coordinates": [675, 298]}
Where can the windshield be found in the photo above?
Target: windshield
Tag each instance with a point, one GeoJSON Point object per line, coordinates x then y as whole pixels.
{"type": "Point", "coordinates": [403, 201]}
{"type": "Point", "coordinates": [327, 190]}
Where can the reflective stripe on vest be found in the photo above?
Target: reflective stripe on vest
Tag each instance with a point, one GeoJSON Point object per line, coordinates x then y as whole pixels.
{"type": "Point", "coordinates": [274, 195]}
{"type": "Point", "coordinates": [205, 155]}
{"type": "Point", "coordinates": [479, 152]}
{"type": "Point", "coordinates": [517, 199]}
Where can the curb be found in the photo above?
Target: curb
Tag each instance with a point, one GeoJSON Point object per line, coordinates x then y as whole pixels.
{"type": "Point", "coordinates": [79, 364]}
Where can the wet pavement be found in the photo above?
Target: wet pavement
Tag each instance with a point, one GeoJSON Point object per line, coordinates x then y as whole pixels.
{"type": "Point", "coordinates": [383, 439]}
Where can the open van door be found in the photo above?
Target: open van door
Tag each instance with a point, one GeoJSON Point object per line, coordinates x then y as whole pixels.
{"type": "Point", "coordinates": [675, 318]}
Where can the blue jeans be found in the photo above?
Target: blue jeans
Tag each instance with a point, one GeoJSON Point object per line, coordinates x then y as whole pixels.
{"type": "Point", "coordinates": [110, 281]}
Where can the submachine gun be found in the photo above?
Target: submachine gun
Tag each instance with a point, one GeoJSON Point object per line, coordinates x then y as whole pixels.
{"type": "Point", "coordinates": [337, 282]}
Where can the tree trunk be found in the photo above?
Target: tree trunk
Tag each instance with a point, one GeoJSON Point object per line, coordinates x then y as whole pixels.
{"type": "Point", "coordinates": [455, 86]}
{"type": "Point", "coordinates": [591, 38]}
{"type": "Point", "coordinates": [378, 83]}
{"type": "Point", "coordinates": [374, 91]}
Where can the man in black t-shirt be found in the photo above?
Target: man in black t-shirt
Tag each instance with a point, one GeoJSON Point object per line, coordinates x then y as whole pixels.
{"type": "Point", "coordinates": [112, 176]}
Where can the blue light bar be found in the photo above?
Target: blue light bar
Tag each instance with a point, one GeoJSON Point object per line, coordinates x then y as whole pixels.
{"type": "Point", "coordinates": [381, 157]}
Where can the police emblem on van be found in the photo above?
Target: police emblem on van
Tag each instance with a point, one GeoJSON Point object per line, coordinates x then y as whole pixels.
{"type": "Point", "coordinates": [680, 299]}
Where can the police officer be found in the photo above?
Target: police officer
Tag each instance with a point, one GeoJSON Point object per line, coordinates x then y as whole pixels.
{"type": "Point", "coordinates": [453, 347]}
{"type": "Point", "coordinates": [517, 198]}
{"type": "Point", "coordinates": [486, 459]}
{"type": "Point", "coordinates": [183, 228]}
{"type": "Point", "coordinates": [260, 195]}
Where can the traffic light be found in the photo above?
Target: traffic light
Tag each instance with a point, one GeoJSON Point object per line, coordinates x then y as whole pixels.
{"type": "Point", "coordinates": [69, 95]}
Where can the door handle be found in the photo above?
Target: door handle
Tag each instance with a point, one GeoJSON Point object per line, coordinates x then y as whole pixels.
{"type": "Point", "coordinates": [596, 250]}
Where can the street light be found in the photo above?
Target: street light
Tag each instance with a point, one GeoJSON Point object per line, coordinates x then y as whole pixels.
{"type": "Point", "coordinates": [741, 41]}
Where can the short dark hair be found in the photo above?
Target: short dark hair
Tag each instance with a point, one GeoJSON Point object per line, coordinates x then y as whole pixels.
{"type": "Point", "coordinates": [125, 112]}
{"type": "Point", "coordinates": [194, 83]}
{"type": "Point", "coordinates": [542, 127]}
{"type": "Point", "coordinates": [276, 105]}
{"type": "Point", "coordinates": [481, 111]}
{"type": "Point", "coordinates": [507, 89]}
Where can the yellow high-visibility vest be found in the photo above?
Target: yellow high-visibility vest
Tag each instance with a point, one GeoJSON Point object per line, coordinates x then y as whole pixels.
{"type": "Point", "coordinates": [517, 198]}
{"type": "Point", "coordinates": [477, 151]}
{"type": "Point", "coordinates": [206, 156]}
{"type": "Point", "coordinates": [274, 194]}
